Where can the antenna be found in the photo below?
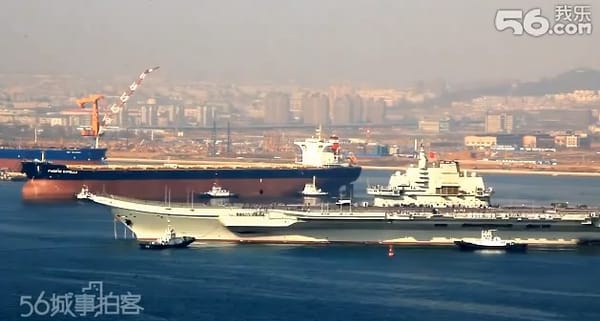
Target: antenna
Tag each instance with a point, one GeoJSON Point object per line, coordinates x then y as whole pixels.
{"type": "Point", "coordinates": [228, 138]}
{"type": "Point", "coordinates": [213, 149]}
{"type": "Point", "coordinates": [318, 131]}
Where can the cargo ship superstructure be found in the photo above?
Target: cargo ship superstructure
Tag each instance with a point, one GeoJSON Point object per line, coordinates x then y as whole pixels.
{"type": "Point", "coordinates": [11, 158]}
{"type": "Point", "coordinates": [320, 158]}
{"type": "Point", "coordinates": [544, 227]}
{"type": "Point", "coordinates": [433, 184]}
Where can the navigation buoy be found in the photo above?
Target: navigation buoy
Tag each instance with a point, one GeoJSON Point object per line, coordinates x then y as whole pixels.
{"type": "Point", "coordinates": [391, 251]}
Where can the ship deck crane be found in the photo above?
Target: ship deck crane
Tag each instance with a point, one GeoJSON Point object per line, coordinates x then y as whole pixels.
{"type": "Point", "coordinates": [97, 127]}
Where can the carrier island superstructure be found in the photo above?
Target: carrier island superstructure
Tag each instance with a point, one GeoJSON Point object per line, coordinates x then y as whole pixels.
{"type": "Point", "coordinates": [433, 184]}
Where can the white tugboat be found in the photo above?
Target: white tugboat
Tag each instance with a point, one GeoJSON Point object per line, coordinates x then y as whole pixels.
{"type": "Point", "coordinates": [435, 184]}
{"type": "Point", "coordinates": [218, 192]}
{"type": "Point", "coordinates": [490, 241]}
{"type": "Point", "coordinates": [310, 189]}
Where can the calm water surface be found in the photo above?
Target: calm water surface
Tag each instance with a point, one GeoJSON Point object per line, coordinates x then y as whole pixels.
{"type": "Point", "coordinates": [59, 248]}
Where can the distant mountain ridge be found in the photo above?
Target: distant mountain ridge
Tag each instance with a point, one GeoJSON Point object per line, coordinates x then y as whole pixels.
{"type": "Point", "coordinates": [577, 79]}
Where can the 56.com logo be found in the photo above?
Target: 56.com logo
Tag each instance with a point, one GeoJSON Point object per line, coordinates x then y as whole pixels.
{"type": "Point", "coordinates": [533, 23]}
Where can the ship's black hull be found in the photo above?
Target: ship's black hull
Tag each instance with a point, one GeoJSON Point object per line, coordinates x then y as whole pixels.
{"type": "Point", "coordinates": [509, 247]}
{"type": "Point", "coordinates": [313, 224]}
{"type": "Point", "coordinates": [59, 182]}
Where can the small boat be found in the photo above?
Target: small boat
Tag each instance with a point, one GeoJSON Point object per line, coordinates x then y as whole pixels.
{"type": "Point", "coordinates": [391, 251]}
{"type": "Point", "coordinates": [311, 189]}
{"type": "Point", "coordinates": [12, 176]}
{"type": "Point", "coordinates": [489, 241]}
{"type": "Point", "coordinates": [84, 194]}
{"type": "Point", "coordinates": [342, 202]}
{"type": "Point", "coordinates": [218, 192]}
{"type": "Point", "coordinates": [169, 240]}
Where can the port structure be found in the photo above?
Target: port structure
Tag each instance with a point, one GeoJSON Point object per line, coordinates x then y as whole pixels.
{"type": "Point", "coordinates": [98, 127]}
{"type": "Point", "coordinates": [94, 130]}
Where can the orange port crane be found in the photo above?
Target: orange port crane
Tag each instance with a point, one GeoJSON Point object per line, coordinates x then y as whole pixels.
{"type": "Point", "coordinates": [97, 127]}
{"type": "Point", "coordinates": [94, 130]}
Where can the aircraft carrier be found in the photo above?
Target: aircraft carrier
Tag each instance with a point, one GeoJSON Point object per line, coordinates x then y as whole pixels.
{"type": "Point", "coordinates": [352, 224]}
{"type": "Point", "coordinates": [447, 219]}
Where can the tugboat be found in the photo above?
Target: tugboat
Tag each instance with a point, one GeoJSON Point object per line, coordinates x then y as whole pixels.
{"type": "Point", "coordinates": [84, 194]}
{"type": "Point", "coordinates": [311, 189]}
{"type": "Point", "coordinates": [489, 241]}
{"type": "Point", "coordinates": [169, 240]}
{"type": "Point", "coordinates": [218, 192]}
{"type": "Point", "coordinates": [5, 175]}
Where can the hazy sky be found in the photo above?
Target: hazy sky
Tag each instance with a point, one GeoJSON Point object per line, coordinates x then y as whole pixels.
{"type": "Point", "coordinates": [384, 43]}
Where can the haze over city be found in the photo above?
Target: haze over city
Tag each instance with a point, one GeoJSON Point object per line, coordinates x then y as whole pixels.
{"type": "Point", "coordinates": [300, 160]}
{"type": "Point", "coordinates": [371, 43]}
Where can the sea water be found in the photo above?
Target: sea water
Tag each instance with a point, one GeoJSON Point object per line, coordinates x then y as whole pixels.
{"type": "Point", "coordinates": [52, 252]}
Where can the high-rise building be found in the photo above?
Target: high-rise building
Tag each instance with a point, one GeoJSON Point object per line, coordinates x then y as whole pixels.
{"type": "Point", "coordinates": [338, 91]}
{"type": "Point", "coordinates": [374, 111]}
{"type": "Point", "coordinates": [341, 111]}
{"type": "Point", "coordinates": [277, 108]}
{"type": "Point", "coordinates": [347, 109]}
{"type": "Point", "coordinates": [357, 108]}
{"type": "Point", "coordinates": [171, 114]}
{"type": "Point", "coordinates": [431, 126]}
{"type": "Point", "coordinates": [296, 99]}
{"type": "Point", "coordinates": [205, 115]}
{"type": "Point", "coordinates": [176, 115]}
{"type": "Point", "coordinates": [499, 123]}
{"type": "Point", "coordinates": [180, 116]}
{"type": "Point", "coordinates": [120, 119]}
{"type": "Point", "coordinates": [315, 109]}
{"type": "Point", "coordinates": [149, 115]}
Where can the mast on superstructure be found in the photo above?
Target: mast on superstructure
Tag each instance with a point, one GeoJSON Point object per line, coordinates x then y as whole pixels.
{"type": "Point", "coordinates": [422, 158]}
{"type": "Point", "coordinates": [318, 131]}
{"type": "Point", "coordinates": [228, 138]}
{"type": "Point", "coordinates": [213, 148]}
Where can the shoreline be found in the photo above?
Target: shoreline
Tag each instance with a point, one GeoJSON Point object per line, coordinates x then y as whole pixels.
{"type": "Point", "coordinates": [266, 162]}
{"type": "Point", "coordinates": [500, 171]}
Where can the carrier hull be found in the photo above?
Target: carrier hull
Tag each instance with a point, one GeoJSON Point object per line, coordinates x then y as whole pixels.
{"type": "Point", "coordinates": [147, 226]}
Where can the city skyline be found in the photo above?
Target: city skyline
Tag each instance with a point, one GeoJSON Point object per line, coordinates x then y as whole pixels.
{"type": "Point", "coordinates": [362, 43]}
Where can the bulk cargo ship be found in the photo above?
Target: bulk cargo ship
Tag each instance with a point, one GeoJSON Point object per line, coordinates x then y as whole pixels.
{"type": "Point", "coordinates": [11, 158]}
{"type": "Point", "coordinates": [320, 159]}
